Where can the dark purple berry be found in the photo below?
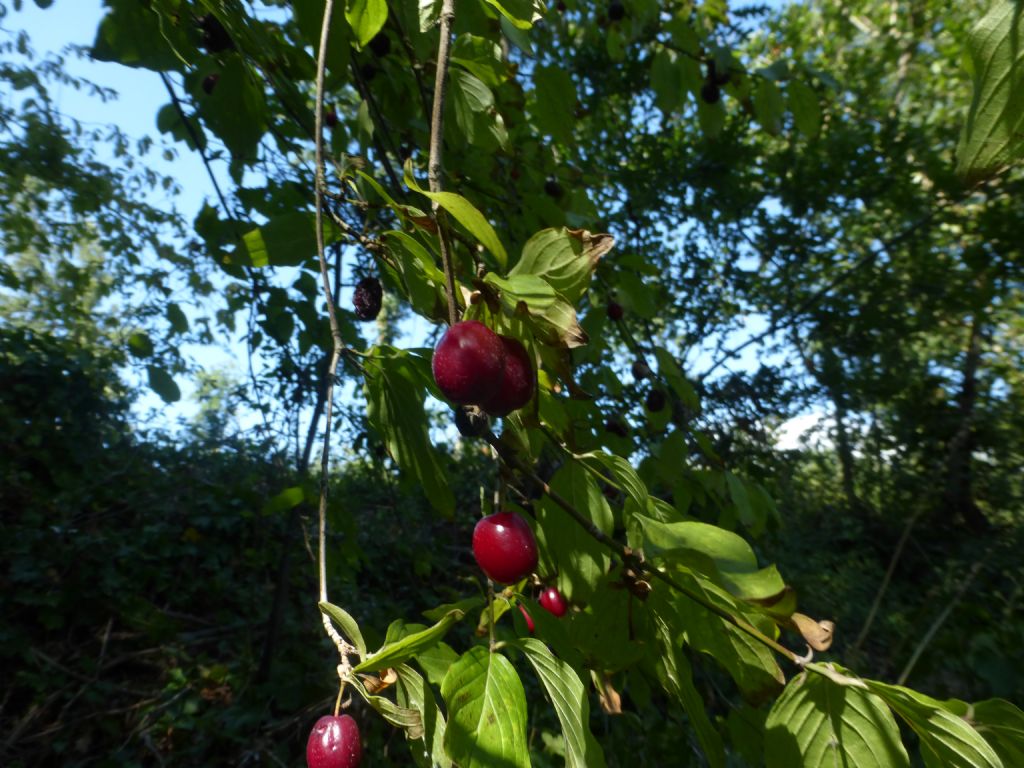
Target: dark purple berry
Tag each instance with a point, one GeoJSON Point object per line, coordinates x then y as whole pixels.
{"type": "Point", "coordinates": [380, 45]}
{"type": "Point", "coordinates": [710, 93]}
{"type": "Point", "coordinates": [553, 189]}
{"type": "Point", "coordinates": [210, 82]}
{"type": "Point", "coordinates": [616, 10]}
{"type": "Point", "coordinates": [367, 298]}
{"type": "Point", "coordinates": [614, 310]}
{"type": "Point", "coordinates": [641, 370]}
{"type": "Point", "coordinates": [617, 426]}
{"type": "Point", "coordinates": [655, 400]}
{"type": "Point", "coordinates": [215, 37]}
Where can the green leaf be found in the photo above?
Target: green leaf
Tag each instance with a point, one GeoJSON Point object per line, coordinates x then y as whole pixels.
{"type": "Point", "coordinates": [176, 318]}
{"type": "Point", "coordinates": [469, 97]}
{"type": "Point", "coordinates": [522, 294]}
{"type": "Point", "coordinates": [134, 35]}
{"type": "Point", "coordinates": [999, 722]}
{"type": "Point", "coordinates": [392, 653]}
{"type": "Point", "coordinates": [735, 565]}
{"type": "Point", "coordinates": [806, 109]}
{"type": "Point", "coordinates": [413, 692]}
{"type": "Point", "coordinates": [565, 258]}
{"type": "Point", "coordinates": [466, 214]}
{"type": "Point", "coordinates": [993, 136]}
{"type": "Point", "coordinates": [819, 723]}
{"type": "Point", "coordinates": [623, 475]}
{"type": "Point", "coordinates": [751, 516]}
{"type": "Point", "coordinates": [578, 558]}
{"type": "Point", "coordinates": [395, 385]}
{"type": "Point", "coordinates": [769, 106]}
{"type": "Point", "coordinates": [423, 280]}
{"type": "Point", "coordinates": [669, 369]}
{"type": "Point", "coordinates": [554, 102]}
{"type": "Point", "coordinates": [285, 500]}
{"type": "Point", "coordinates": [676, 676]}
{"type": "Point", "coordinates": [569, 698]}
{"type": "Point", "coordinates": [286, 240]}
{"type": "Point", "coordinates": [666, 82]}
{"type": "Point", "coordinates": [486, 712]}
{"type": "Point", "coordinates": [946, 741]}
{"type": "Point", "coordinates": [406, 718]}
{"type": "Point", "coordinates": [348, 626]}
{"type": "Point", "coordinates": [140, 345]}
{"type": "Point", "coordinates": [751, 664]}
{"type": "Point", "coordinates": [160, 381]}
{"type": "Point", "coordinates": [366, 18]}
{"type": "Point", "coordinates": [519, 13]}
{"type": "Point", "coordinates": [239, 113]}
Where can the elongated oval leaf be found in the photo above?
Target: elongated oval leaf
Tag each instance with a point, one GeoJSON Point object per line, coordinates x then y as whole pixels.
{"type": "Point", "coordinates": [466, 214]}
{"type": "Point", "coordinates": [160, 381]}
{"type": "Point", "coordinates": [816, 722]}
{"type": "Point", "coordinates": [407, 647]}
{"type": "Point", "coordinates": [993, 135]}
{"type": "Point", "coordinates": [366, 17]}
{"type": "Point", "coordinates": [569, 698]}
{"type": "Point", "coordinates": [486, 712]}
{"type": "Point", "coordinates": [348, 626]}
{"type": "Point", "coordinates": [947, 741]}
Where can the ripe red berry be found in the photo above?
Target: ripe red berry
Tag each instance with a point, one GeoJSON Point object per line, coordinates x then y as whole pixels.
{"type": "Point", "coordinates": [367, 297]}
{"type": "Point", "coordinates": [529, 619]}
{"type": "Point", "coordinates": [334, 743]}
{"type": "Point", "coordinates": [518, 383]}
{"type": "Point", "coordinates": [614, 310]}
{"type": "Point", "coordinates": [504, 547]}
{"type": "Point", "coordinates": [553, 601]}
{"type": "Point", "coordinates": [469, 363]}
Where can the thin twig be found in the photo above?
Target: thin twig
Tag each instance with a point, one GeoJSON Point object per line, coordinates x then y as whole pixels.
{"type": "Point", "coordinates": [338, 345]}
{"type": "Point", "coordinates": [939, 621]}
{"type": "Point", "coordinates": [435, 164]}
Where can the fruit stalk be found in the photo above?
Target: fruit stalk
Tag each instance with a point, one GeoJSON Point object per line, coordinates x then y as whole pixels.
{"type": "Point", "coordinates": [435, 166]}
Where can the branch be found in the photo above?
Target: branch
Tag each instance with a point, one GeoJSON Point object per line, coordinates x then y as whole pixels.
{"type": "Point", "coordinates": [338, 345]}
{"type": "Point", "coordinates": [435, 166]}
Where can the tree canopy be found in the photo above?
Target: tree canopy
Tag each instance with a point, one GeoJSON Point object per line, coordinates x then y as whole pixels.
{"type": "Point", "coordinates": [699, 220]}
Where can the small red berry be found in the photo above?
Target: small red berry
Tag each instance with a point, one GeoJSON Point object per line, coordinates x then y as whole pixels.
{"type": "Point", "coordinates": [553, 601]}
{"type": "Point", "coordinates": [614, 310]}
{"type": "Point", "coordinates": [210, 82]}
{"type": "Point", "coordinates": [334, 743]}
{"type": "Point", "coordinates": [504, 547]}
{"type": "Point", "coordinates": [529, 619]}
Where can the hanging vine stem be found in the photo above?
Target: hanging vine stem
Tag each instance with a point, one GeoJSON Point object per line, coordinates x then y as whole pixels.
{"type": "Point", "coordinates": [337, 348]}
{"type": "Point", "coordinates": [435, 165]}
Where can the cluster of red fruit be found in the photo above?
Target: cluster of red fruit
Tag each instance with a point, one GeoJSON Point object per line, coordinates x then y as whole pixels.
{"type": "Point", "coordinates": [472, 366]}
{"type": "Point", "coordinates": [475, 366]}
{"type": "Point", "coordinates": [506, 550]}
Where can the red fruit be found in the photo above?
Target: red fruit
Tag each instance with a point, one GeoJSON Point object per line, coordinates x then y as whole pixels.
{"type": "Point", "coordinates": [504, 547]}
{"type": "Point", "coordinates": [334, 743]}
{"type": "Point", "coordinates": [529, 619]}
{"type": "Point", "coordinates": [469, 363]}
{"type": "Point", "coordinates": [367, 297]}
{"type": "Point", "coordinates": [553, 602]}
{"type": "Point", "coordinates": [614, 310]}
{"type": "Point", "coordinates": [518, 383]}
{"type": "Point", "coordinates": [330, 117]}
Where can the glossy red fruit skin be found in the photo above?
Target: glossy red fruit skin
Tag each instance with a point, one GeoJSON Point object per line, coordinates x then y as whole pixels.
{"type": "Point", "coordinates": [518, 383]}
{"type": "Point", "coordinates": [469, 363]}
{"type": "Point", "coordinates": [529, 619]}
{"type": "Point", "coordinates": [552, 601]}
{"type": "Point", "coordinates": [334, 743]}
{"type": "Point", "coordinates": [504, 547]}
